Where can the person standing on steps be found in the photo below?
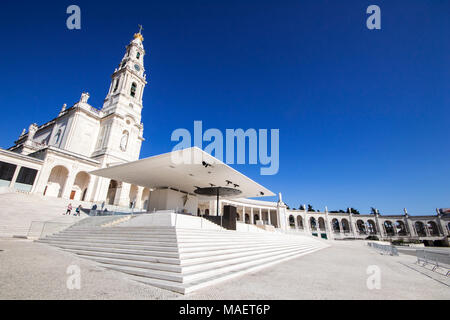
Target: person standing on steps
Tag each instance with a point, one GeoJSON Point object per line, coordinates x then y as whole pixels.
{"type": "Point", "coordinates": [69, 209]}
{"type": "Point", "coordinates": [78, 210]}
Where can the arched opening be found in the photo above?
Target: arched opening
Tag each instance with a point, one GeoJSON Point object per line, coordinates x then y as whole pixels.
{"type": "Point", "coordinates": [291, 221]}
{"type": "Point", "coordinates": [133, 196]}
{"type": "Point", "coordinates": [321, 224]}
{"type": "Point", "coordinates": [371, 226]}
{"type": "Point", "coordinates": [255, 218]}
{"type": "Point", "coordinates": [133, 89]}
{"type": "Point", "coordinates": [389, 228]}
{"type": "Point", "coordinates": [345, 225]}
{"type": "Point", "coordinates": [247, 218]}
{"type": "Point", "coordinates": [361, 227]}
{"type": "Point", "coordinates": [335, 225]}
{"type": "Point", "coordinates": [300, 222]}
{"type": "Point", "coordinates": [238, 216]}
{"type": "Point", "coordinates": [401, 228]}
{"type": "Point", "coordinates": [432, 226]}
{"type": "Point", "coordinates": [420, 229]}
{"type": "Point", "coordinates": [80, 186]}
{"type": "Point", "coordinates": [312, 223]}
{"type": "Point", "coordinates": [56, 182]}
{"type": "Point", "coordinates": [111, 195]}
{"type": "Point", "coordinates": [448, 227]}
{"type": "Point", "coordinates": [206, 212]}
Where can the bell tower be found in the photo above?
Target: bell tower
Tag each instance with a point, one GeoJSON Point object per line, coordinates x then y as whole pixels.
{"type": "Point", "coordinates": [128, 81]}
{"type": "Point", "coordinates": [121, 130]}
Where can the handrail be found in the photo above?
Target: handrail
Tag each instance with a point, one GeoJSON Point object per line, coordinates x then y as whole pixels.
{"type": "Point", "coordinates": [391, 250]}
{"type": "Point", "coordinates": [438, 259]}
{"type": "Point", "coordinates": [40, 229]}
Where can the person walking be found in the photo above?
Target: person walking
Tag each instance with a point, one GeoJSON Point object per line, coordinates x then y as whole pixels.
{"type": "Point", "coordinates": [78, 210]}
{"type": "Point", "coordinates": [69, 209]}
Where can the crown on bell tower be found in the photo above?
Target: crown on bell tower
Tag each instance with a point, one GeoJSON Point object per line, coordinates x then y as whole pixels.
{"type": "Point", "coordinates": [139, 34]}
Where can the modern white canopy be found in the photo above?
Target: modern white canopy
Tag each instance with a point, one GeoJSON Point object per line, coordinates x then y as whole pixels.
{"type": "Point", "coordinates": [184, 170]}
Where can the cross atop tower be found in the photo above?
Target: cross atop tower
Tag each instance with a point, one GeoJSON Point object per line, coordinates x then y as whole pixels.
{"type": "Point", "coordinates": [140, 28]}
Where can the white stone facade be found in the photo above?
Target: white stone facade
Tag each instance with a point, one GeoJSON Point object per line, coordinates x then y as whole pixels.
{"type": "Point", "coordinates": [58, 155]}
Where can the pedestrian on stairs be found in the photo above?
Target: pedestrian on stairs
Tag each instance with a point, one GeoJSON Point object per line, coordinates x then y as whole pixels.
{"type": "Point", "coordinates": [78, 210]}
{"type": "Point", "coordinates": [69, 209]}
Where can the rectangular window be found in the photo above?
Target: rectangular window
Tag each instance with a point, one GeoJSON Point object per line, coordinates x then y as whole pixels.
{"type": "Point", "coordinates": [6, 173]}
{"type": "Point", "coordinates": [26, 176]}
{"type": "Point", "coordinates": [25, 179]}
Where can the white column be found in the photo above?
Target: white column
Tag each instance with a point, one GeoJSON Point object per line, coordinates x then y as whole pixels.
{"type": "Point", "coordinates": [252, 221]}
{"type": "Point", "coordinates": [122, 198]}
{"type": "Point", "coordinates": [14, 178]}
{"type": "Point", "coordinates": [243, 214]}
{"type": "Point", "coordinates": [68, 186]}
{"type": "Point", "coordinates": [138, 204]}
{"type": "Point", "coordinates": [260, 214]}
{"type": "Point", "coordinates": [268, 217]}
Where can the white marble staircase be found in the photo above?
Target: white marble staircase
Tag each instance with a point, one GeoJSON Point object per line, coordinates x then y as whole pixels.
{"type": "Point", "coordinates": [181, 260]}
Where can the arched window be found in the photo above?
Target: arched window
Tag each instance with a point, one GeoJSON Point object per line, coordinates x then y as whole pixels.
{"type": "Point", "coordinates": [133, 89]}
{"type": "Point", "coordinates": [138, 55]}
{"type": "Point", "coordinates": [116, 85]}
{"type": "Point", "coordinates": [124, 141]}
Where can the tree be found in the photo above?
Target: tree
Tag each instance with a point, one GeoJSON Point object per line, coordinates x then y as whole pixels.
{"type": "Point", "coordinates": [310, 208]}
{"type": "Point", "coordinates": [302, 207]}
{"type": "Point", "coordinates": [373, 210]}
{"type": "Point", "coordinates": [354, 211]}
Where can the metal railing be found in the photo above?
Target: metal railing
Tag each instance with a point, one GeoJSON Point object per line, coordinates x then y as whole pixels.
{"type": "Point", "coordinates": [98, 213]}
{"type": "Point", "coordinates": [437, 259]}
{"type": "Point", "coordinates": [41, 229]}
{"type": "Point", "coordinates": [391, 250]}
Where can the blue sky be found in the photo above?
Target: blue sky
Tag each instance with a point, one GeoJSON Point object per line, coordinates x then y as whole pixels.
{"type": "Point", "coordinates": [363, 115]}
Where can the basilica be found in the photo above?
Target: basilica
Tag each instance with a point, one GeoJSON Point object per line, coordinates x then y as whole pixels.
{"type": "Point", "coordinates": [92, 155]}
{"type": "Point", "coordinates": [54, 159]}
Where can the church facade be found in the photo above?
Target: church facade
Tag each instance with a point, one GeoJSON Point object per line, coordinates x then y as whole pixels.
{"type": "Point", "coordinates": [53, 159]}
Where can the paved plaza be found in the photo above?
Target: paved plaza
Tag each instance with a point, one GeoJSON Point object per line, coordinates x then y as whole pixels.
{"type": "Point", "coordinates": [31, 270]}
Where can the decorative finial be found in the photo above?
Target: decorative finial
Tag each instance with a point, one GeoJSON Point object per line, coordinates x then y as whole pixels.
{"type": "Point", "coordinates": [23, 132]}
{"type": "Point", "coordinates": [139, 34]}
{"type": "Point", "coordinates": [84, 97]}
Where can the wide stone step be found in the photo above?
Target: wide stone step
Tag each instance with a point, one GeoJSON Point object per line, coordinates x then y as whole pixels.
{"type": "Point", "coordinates": [148, 263]}
{"type": "Point", "coordinates": [186, 288]}
{"type": "Point", "coordinates": [117, 236]}
{"type": "Point", "coordinates": [158, 262]}
{"type": "Point", "coordinates": [114, 232]}
{"type": "Point", "coordinates": [163, 251]}
{"type": "Point", "coordinates": [127, 256]}
{"type": "Point", "coordinates": [183, 243]}
{"type": "Point", "coordinates": [188, 254]}
{"type": "Point", "coordinates": [172, 243]}
{"type": "Point", "coordinates": [198, 276]}
{"type": "Point", "coordinates": [190, 233]}
{"type": "Point", "coordinates": [221, 255]}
